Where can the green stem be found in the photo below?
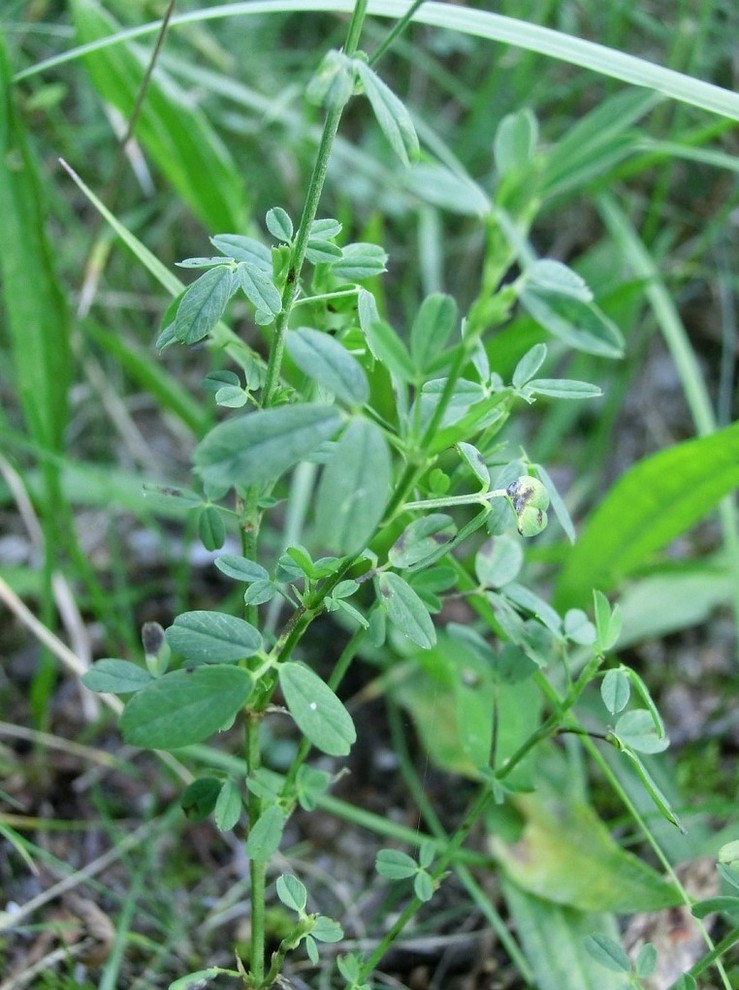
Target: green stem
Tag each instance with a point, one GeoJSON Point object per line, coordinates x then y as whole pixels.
{"type": "Point", "coordinates": [315, 190]}
{"type": "Point", "coordinates": [257, 870]}
{"type": "Point", "coordinates": [455, 842]}
{"type": "Point", "coordinates": [396, 30]}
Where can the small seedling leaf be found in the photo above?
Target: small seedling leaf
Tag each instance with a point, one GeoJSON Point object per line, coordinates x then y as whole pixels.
{"type": "Point", "coordinates": [406, 610]}
{"type": "Point", "coordinates": [553, 276]}
{"type": "Point", "coordinates": [646, 961]}
{"type": "Point", "coordinates": [116, 677]}
{"type": "Point", "coordinates": [354, 488]}
{"type": "Point", "coordinates": [228, 806]}
{"type": "Point", "coordinates": [529, 365]}
{"type": "Point", "coordinates": [423, 886]}
{"type": "Point", "coordinates": [322, 358]}
{"type": "Point", "coordinates": [421, 539]}
{"type": "Point", "coordinates": [211, 528]}
{"type": "Point", "coordinates": [615, 691]}
{"type": "Point", "coordinates": [498, 562]}
{"type": "Point", "coordinates": [231, 397]}
{"type": "Point", "coordinates": [266, 835]}
{"type": "Point", "coordinates": [476, 461]}
{"type": "Point", "coordinates": [578, 323]}
{"type": "Point", "coordinates": [196, 981]}
{"type": "Point", "coordinates": [360, 261]}
{"type": "Point", "coordinates": [563, 388]}
{"type": "Point", "coordinates": [637, 730]}
{"type": "Point", "coordinates": [578, 627]}
{"type": "Point", "coordinates": [292, 892]}
{"type": "Point", "coordinates": [241, 248]}
{"type": "Point", "coordinates": [199, 798]}
{"type": "Point", "coordinates": [515, 141]}
{"type": "Point", "coordinates": [318, 713]}
{"type": "Point", "coordinates": [279, 224]}
{"type": "Point", "coordinates": [260, 446]}
{"type": "Point", "coordinates": [327, 930]}
{"type": "Point", "coordinates": [389, 349]}
{"type": "Point", "coordinates": [431, 329]}
{"type": "Point", "coordinates": [213, 637]}
{"type": "Point", "coordinates": [260, 592]}
{"type": "Point", "coordinates": [395, 865]}
{"type": "Point", "coordinates": [391, 114]}
{"type": "Point", "coordinates": [185, 706]}
{"type": "Point", "coordinates": [607, 952]}
{"type": "Point", "coordinates": [240, 569]}
{"type": "Point", "coordinates": [203, 304]}
{"type": "Point", "coordinates": [259, 288]}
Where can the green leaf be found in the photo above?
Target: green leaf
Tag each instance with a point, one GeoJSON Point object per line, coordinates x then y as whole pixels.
{"type": "Point", "coordinates": [567, 855]}
{"type": "Point", "coordinates": [515, 140]}
{"type": "Point", "coordinates": [260, 592]}
{"type": "Point", "coordinates": [608, 953]}
{"type": "Point", "coordinates": [391, 114]}
{"type": "Point", "coordinates": [185, 706]}
{"type": "Point", "coordinates": [213, 637]}
{"type": "Point", "coordinates": [431, 329]}
{"type": "Point", "coordinates": [261, 446]}
{"type": "Point", "coordinates": [581, 325]}
{"type": "Point", "coordinates": [322, 358]}
{"type": "Point", "coordinates": [389, 349]}
{"type": "Point", "coordinates": [34, 301]}
{"type": "Point", "coordinates": [240, 569]}
{"type": "Point", "coordinates": [395, 865]}
{"type": "Point", "coordinates": [646, 961]}
{"type": "Point", "coordinates": [360, 261]}
{"type": "Point", "coordinates": [202, 305]}
{"type": "Point", "coordinates": [279, 224]}
{"type": "Point", "coordinates": [529, 365]}
{"type": "Point", "coordinates": [615, 691]}
{"type": "Point", "coordinates": [266, 835]}
{"type": "Point", "coordinates": [423, 886]}
{"type": "Point", "coordinates": [231, 397]}
{"type": "Point", "coordinates": [211, 528]}
{"type": "Point", "coordinates": [116, 677]}
{"type": "Point", "coordinates": [354, 488]}
{"type": "Point", "coordinates": [552, 276]}
{"type": "Point", "coordinates": [420, 539]}
{"type": "Point", "coordinates": [655, 501]}
{"type": "Point", "coordinates": [498, 561]}
{"type": "Point", "coordinates": [317, 711]}
{"type": "Point", "coordinates": [241, 248]}
{"type": "Point", "coordinates": [563, 388]}
{"type": "Point", "coordinates": [228, 806]}
{"type": "Point", "coordinates": [292, 892]}
{"type": "Point", "coordinates": [476, 461]}
{"type": "Point", "coordinates": [198, 980]}
{"type": "Point", "coordinates": [199, 798]}
{"type": "Point", "coordinates": [637, 730]}
{"type": "Point", "coordinates": [406, 610]}
{"type": "Point", "coordinates": [259, 288]}
{"type": "Point", "coordinates": [578, 627]}
{"type": "Point", "coordinates": [327, 930]}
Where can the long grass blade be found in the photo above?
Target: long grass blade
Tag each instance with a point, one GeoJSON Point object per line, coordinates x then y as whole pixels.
{"type": "Point", "coordinates": [479, 23]}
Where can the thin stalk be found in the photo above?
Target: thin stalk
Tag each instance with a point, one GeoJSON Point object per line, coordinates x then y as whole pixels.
{"type": "Point", "coordinates": [315, 190]}
{"type": "Point", "coordinates": [257, 870]}
{"type": "Point", "coordinates": [456, 840]}
{"type": "Point", "coordinates": [397, 29]}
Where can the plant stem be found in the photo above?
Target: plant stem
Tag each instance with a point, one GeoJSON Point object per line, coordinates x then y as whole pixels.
{"type": "Point", "coordinates": [313, 197]}
{"type": "Point", "coordinates": [257, 870]}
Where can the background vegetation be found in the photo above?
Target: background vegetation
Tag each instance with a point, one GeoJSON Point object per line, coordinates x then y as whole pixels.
{"type": "Point", "coordinates": [641, 199]}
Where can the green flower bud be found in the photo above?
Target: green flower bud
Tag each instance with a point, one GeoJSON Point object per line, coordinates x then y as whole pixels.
{"type": "Point", "coordinates": [529, 500]}
{"type": "Point", "coordinates": [156, 648]}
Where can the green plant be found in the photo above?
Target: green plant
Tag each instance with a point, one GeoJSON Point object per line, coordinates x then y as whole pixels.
{"type": "Point", "coordinates": [418, 502]}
